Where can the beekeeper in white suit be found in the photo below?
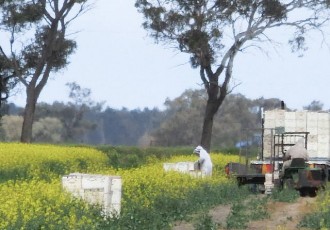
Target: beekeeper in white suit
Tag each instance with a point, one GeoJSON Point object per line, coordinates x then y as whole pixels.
{"type": "Point", "coordinates": [204, 162]}
{"type": "Point", "coordinates": [296, 151]}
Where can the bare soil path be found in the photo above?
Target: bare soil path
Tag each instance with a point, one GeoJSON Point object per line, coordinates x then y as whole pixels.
{"type": "Point", "coordinates": [282, 215]}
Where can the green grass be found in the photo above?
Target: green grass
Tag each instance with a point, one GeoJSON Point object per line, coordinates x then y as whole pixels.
{"type": "Point", "coordinates": [254, 208]}
{"type": "Point", "coordinates": [167, 210]}
{"type": "Point", "coordinates": [319, 218]}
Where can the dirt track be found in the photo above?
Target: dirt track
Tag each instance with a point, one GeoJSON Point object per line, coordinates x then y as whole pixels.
{"type": "Point", "coordinates": [282, 215]}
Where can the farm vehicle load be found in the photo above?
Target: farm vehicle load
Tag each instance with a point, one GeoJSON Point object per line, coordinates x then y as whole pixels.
{"type": "Point", "coordinates": [261, 162]}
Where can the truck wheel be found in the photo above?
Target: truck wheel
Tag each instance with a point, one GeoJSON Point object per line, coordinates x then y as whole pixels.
{"type": "Point", "coordinates": [239, 181]}
{"type": "Point", "coordinates": [281, 184]}
{"type": "Point", "coordinates": [303, 192]}
{"type": "Point", "coordinates": [312, 192]}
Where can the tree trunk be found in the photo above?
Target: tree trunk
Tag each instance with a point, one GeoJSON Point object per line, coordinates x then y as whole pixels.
{"type": "Point", "coordinates": [26, 136]}
{"type": "Point", "coordinates": [210, 111]}
{"type": "Point", "coordinates": [31, 99]}
{"type": "Point", "coordinates": [216, 93]}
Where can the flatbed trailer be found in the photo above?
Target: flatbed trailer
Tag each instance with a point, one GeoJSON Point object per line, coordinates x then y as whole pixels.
{"type": "Point", "coordinates": [245, 175]}
{"type": "Point", "coordinates": [256, 179]}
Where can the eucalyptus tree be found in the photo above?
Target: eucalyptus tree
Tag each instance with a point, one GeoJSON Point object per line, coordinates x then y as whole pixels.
{"type": "Point", "coordinates": [183, 118]}
{"type": "Point", "coordinates": [74, 114]}
{"type": "Point", "coordinates": [35, 44]}
{"type": "Point", "coordinates": [314, 106]}
{"type": "Point", "coordinates": [213, 32]}
{"type": "Point", "coordinates": [7, 83]}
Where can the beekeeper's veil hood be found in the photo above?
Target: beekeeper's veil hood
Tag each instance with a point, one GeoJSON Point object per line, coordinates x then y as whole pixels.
{"type": "Point", "coordinates": [198, 149]}
{"type": "Point", "coordinates": [301, 142]}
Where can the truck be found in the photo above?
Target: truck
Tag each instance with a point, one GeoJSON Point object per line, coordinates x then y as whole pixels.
{"type": "Point", "coordinates": [261, 156]}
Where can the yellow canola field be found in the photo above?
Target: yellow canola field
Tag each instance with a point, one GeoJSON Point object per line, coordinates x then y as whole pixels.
{"type": "Point", "coordinates": [25, 202]}
{"type": "Point", "coordinates": [142, 185]}
{"type": "Point", "coordinates": [12, 154]}
{"type": "Point", "coordinates": [30, 157]}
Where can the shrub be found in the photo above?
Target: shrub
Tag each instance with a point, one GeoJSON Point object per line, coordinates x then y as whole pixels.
{"type": "Point", "coordinates": [319, 218]}
{"type": "Point", "coordinates": [133, 157]}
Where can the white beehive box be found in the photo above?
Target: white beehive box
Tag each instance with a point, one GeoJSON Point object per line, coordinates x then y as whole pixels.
{"type": "Point", "coordinates": [269, 185]}
{"type": "Point", "coordinates": [96, 189]}
{"type": "Point", "coordinates": [316, 123]}
{"type": "Point", "coordinates": [183, 167]}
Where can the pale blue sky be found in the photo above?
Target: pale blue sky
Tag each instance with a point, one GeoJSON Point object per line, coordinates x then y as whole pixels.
{"type": "Point", "coordinates": [124, 67]}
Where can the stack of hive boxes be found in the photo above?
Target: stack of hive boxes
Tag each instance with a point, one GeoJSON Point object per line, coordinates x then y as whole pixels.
{"type": "Point", "coordinates": [269, 185]}
{"type": "Point", "coordinates": [96, 189]}
{"type": "Point", "coordinates": [316, 123]}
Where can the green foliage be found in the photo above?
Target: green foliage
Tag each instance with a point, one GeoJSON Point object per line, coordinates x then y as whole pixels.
{"type": "Point", "coordinates": [72, 121]}
{"type": "Point", "coordinates": [49, 169]}
{"type": "Point", "coordinates": [182, 125]}
{"type": "Point", "coordinates": [14, 173]}
{"type": "Point", "coordinates": [274, 9]}
{"type": "Point", "coordinates": [319, 217]}
{"type": "Point", "coordinates": [229, 150]}
{"type": "Point", "coordinates": [253, 208]}
{"type": "Point", "coordinates": [12, 127]}
{"type": "Point", "coordinates": [44, 170]}
{"type": "Point", "coordinates": [314, 106]}
{"type": "Point", "coordinates": [123, 127]}
{"type": "Point", "coordinates": [316, 220]}
{"type": "Point", "coordinates": [167, 209]}
{"type": "Point", "coordinates": [132, 157]}
{"type": "Point", "coordinates": [20, 15]}
{"type": "Point", "coordinates": [178, 125]}
{"type": "Point", "coordinates": [205, 222]}
{"type": "Point", "coordinates": [48, 129]}
{"type": "Point", "coordinates": [184, 116]}
{"type": "Point", "coordinates": [238, 218]}
{"type": "Point", "coordinates": [285, 195]}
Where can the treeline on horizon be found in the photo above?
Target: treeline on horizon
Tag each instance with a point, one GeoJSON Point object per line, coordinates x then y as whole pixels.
{"type": "Point", "coordinates": [179, 124]}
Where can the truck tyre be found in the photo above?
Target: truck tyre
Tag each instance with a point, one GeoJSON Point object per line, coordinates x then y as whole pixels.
{"type": "Point", "coordinates": [312, 192]}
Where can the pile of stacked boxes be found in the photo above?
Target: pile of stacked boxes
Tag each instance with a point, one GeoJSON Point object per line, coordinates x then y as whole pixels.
{"type": "Point", "coordinates": [97, 190]}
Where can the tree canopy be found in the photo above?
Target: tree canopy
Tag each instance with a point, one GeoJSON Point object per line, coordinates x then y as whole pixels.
{"type": "Point", "coordinates": [178, 125]}
{"type": "Point", "coordinates": [213, 32]}
{"type": "Point", "coordinates": [37, 45]}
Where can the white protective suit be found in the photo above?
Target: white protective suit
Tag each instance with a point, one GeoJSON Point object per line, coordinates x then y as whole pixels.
{"type": "Point", "coordinates": [204, 160]}
{"type": "Point", "coordinates": [296, 151]}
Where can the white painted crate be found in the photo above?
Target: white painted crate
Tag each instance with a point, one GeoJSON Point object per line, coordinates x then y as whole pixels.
{"type": "Point", "coordinates": [269, 185]}
{"type": "Point", "coordinates": [183, 167]}
{"type": "Point", "coordinates": [96, 189]}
